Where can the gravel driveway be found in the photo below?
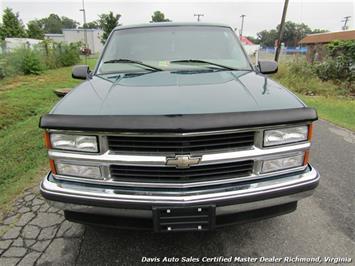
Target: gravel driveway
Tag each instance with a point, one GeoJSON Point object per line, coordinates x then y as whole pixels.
{"type": "Point", "coordinates": [323, 225]}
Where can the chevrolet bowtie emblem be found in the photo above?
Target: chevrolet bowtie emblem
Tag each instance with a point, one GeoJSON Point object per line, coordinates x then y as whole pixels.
{"type": "Point", "coordinates": [182, 161]}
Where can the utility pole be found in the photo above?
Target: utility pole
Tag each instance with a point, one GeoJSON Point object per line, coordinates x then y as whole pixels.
{"type": "Point", "coordinates": [346, 19]}
{"type": "Point", "coordinates": [85, 31]}
{"type": "Point", "coordinates": [281, 31]}
{"type": "Point", "coordinates": [198, 16]}
{"type": "Point", "coordinates": [241, 28]}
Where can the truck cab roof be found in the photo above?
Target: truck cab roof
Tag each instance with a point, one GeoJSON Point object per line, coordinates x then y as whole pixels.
{"type": "Point", "coordinates": [171, 24]}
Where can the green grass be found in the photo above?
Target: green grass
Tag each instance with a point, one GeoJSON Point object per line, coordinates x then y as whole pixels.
{"type": "Point", "coordinates": [340, 111]}
{"type": "Point", "coordinates": [299, 78]}
{"type": "Point", "coordinates": [331, 99]}
{"type": "Point", "coordinates": [23, 99]}
{"type": "Point", "coordinates": [31, 95]}
{"type": "Point", "coordinates": [22, 157]}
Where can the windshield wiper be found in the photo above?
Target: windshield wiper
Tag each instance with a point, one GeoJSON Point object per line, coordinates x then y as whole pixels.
{"type": "Point", "coordinates": [129, 61]}
{"type": "Point", "coordinates": [203, 62]}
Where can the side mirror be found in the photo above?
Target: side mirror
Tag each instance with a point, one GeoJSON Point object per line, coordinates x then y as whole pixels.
{"type": "Point", "coordinates": [80, 72]}
{"type": "Point", "coordinates": [267, 67]}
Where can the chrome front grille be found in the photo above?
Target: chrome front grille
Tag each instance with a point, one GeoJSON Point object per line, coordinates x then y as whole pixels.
{"type": "Point", "coordinates": [172, 174]}
{"type": "Point", "coordinates": [180, 144]}
{"type": "Point", "coordinates": [140, 160]}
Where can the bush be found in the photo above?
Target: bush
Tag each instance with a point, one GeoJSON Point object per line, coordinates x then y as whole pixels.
{"type": "Point", "coordinates": [69, 54]}
{"type": "Point", "coordinates": [345, 48]}
{"type": "Point", "coordinates": [299, 76]}
{"type": "Point", "coordinates": [60, 54]}
{"type": "Point", "coordinates": [300, 68]}
{"type": "Point", "coordinates": [50, 54]}
{"type": "Point", "coordinates": [334, 69]}
{"type": "Point", "coordinates": [47, 55]}
{"type": "Point", "coordinates": [2, 67]}
{"type": "Point", "coordinates": [24, 61]}
{"type": "Point", "coordinates": [31, 63]}
{"type": "Point", "coordinates": [334, 76]}
{"type": "Point", "coordinates": [339, 65]}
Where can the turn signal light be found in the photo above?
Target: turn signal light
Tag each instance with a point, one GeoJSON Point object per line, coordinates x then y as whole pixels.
{"type": "Point", "coordinates": [47, 140]}
{"type": "Point", "coordinates": [310, 132]}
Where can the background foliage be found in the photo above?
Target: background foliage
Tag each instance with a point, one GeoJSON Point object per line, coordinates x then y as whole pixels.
{"type": "Point", "coordinates": [47, 55]}
{"type": "Point", "coordinates": [339, 65]}
{"type": "Point", "coordinates": [334, 76]}
{"type": "Point", "coordinates": [293, 33]}
{"type": "Point", "coordinates": [11, 25]}
{"type": "Point", "coordinates": [159, 16]}
{"type": "Point", "coordinates": [107, 23]}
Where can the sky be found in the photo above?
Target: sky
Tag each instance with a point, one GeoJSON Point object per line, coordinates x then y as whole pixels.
{"type": "Point", "coordinates": [260, 14]}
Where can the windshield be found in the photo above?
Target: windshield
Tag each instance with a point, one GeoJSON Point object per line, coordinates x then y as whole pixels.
{"type": "Point", "coordinates": [172, 48]}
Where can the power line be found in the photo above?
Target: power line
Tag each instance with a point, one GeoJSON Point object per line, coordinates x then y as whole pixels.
{"type": "Point", "coordinates": [198, 16]}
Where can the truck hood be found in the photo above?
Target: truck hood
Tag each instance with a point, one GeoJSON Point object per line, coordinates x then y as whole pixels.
{"type": "Point", "coordinates": [167, 93]}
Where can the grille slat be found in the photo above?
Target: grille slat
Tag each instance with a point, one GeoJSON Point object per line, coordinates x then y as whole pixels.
{"type": "Point", "coordinates": [147, 144]}
{"type": "Point", "coordinates": [159, 169]}
{"type": "Point", "coordinates": [180, 143]}
{"type": "Point", "coordinates": [187, 145]}
{"type": "Point", "coordinates": [190, 174]}
{"type": "Point", "coordinates": [179, 176]}
{"type": "Point", "coordinates": [186, 139]}
{"type": "Point", "coordinates": [170, 174]}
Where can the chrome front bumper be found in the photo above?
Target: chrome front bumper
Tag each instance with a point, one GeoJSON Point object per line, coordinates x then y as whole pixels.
{"type": "Point", "coordinates": [234, 198]}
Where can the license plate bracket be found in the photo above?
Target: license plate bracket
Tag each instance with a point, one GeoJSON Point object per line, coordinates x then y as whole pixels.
{"type": "Point", "coordinates": [173, 219]}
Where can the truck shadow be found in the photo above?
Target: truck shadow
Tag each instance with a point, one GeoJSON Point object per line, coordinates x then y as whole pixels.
{"type": "Point", "coordinates": [134, 247]}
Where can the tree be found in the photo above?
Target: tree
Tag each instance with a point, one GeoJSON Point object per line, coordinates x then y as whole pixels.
{"type": "Point", "coordinates": [52, 24]}
{"type": "Point", "coordinates": [91, 25]}
{"type": "Point", "coordinates": [107, 23]}
{"type": "Point", "coordinates": [293, 33]}
{"type": "Point", "coordinates": [35, 29]}
{"type": "Point", "coordinates": [159, 16]}
{"type": "Point", "coordinates": [69, 23]}
{"type": "Point", "coordinates": [11, 25]}
{"type": "Point", "coordinates": [55, 24]}
{"type": "Point", "coordinates": [267, 38]}
{"type": "Point", "coordinates": [319, 31]}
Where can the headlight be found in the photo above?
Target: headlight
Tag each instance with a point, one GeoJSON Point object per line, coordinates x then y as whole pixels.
{"type": "Point", "coordinates": [283, 163]}
{"type": "Point", "coordinates": [78, 170]}
{"type": "Point", "coordinates": [74, 142]}
{"type": "Point", "coordinates": [285, 135]}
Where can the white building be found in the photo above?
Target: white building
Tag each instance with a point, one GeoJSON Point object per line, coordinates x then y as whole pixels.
{"type": "Point", "coordinates": [13, 43]}
{"type": "Point", "coordinates": [56, 37]}
{"type": "Point", "coordinates": [78, 35]}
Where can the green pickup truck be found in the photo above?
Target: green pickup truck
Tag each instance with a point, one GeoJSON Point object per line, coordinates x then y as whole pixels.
{"type": "Point", "coordinates": [176, 130]}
